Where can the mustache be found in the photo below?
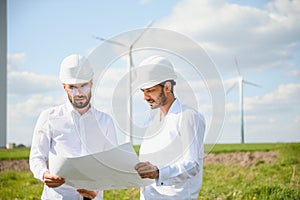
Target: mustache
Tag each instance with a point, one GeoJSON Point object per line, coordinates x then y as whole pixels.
{"type": "Point", "coordinates": [80, 97]}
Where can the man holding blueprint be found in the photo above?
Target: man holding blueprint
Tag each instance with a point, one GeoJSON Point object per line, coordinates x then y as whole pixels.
{"type": "Point", "coordinates": [172, 148]}
{"type": "Point", "coordinates": [71, 130]}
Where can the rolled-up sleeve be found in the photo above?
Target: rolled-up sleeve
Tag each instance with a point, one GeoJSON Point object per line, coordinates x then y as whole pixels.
{"type": "Point", "coordinates": [173, 174]}
{"type": "Point", "coordinates": [191, 131]}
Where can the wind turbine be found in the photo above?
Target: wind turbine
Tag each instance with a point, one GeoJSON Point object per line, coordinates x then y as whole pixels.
{"type": "Point", "coordinates": [241, 81]}
{"type": "Point", "coordinates": [131, 69]}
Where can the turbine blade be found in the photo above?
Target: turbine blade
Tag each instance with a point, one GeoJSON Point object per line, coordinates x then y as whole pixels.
{"type": "Point", "coordinates": [233, 86]}
{"type": "Point", "coordinates": [237, 66]}
{"type": "Point", "coordinates": [109, 41]}
{"type": "Point", "coordinates": [131, 46]}
{"type": "Point", "coordinates": [250, 83]}
{"type": "Point", "coordinates": [139, 37]}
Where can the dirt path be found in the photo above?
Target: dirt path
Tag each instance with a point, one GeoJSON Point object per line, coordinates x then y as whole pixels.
{"type": "Point", "coordinates": [17, 165]}
{"type": "Point", "coordinates": [243, 158]}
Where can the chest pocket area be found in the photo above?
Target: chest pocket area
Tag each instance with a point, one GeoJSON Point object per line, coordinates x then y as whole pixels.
{"type": "Point", "coordinates": [64, 138]}
{"type": "Point", "coordinates": [163, 149]}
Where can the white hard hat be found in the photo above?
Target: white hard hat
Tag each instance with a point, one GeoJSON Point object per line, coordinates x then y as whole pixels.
{"type": "Point", "coordinates": [75, 69]}
{"type": "Point", "coordinates": [153, 71]}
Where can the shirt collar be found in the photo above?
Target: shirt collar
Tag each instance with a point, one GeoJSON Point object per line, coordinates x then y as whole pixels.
{"type": "Point", "coordinates": [71, 109]}
{"type": "Point", "coordinates": [175, 107]}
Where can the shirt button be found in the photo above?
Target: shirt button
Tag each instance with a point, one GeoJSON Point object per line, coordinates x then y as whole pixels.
{"type": "Point", "coordinates": [161, 183]}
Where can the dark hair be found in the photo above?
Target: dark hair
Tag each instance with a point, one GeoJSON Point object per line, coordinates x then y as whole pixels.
{"type": "Point", "coordinates": [173, 83]}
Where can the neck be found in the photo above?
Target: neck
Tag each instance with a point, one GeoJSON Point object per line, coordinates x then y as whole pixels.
{"type": "Point", "coordinates": [83, 110]}
{"type": "Point", "coordinates": [165, 108]}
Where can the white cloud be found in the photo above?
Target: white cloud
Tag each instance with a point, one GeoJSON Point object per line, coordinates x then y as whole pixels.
{"type": "Point", "coordinates": [284, 101]}
{"type": "Point", "coordinates": [286, 96]}
{"type": "Point", "coordinates": [14, 60]}
{"type": "Point", "coordinates": [261, 38]}
{"type": "Point", "coordinates": [144, 2]}
{"type": "Point", "coordinates": [28, 94]}
{"type": "Point", "coordinates": [294, 73]}
{"type": "Point", "coordinates": [32, 106]}
{"type": "Point", "coordinates": [21, 83]}
{"type": "Point", "coordinates": [26, 83]}
{"type": "Point", "coordinates": [22, 116]}
{"type": "Point", "coordinates": [272, 117]}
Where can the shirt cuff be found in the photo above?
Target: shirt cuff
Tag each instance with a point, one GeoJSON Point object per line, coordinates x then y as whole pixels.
{"type": "Point", "coordinates": [42, 172]}
{"type": "Point", "coordinates": [99, 195]}
{"type": "Point", "coordinates": [164, 174]}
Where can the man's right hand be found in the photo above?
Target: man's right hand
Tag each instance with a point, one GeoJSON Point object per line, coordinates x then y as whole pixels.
{"type": "Point", "coordinates": [147, 170]}
{"type": "Point", "coordinates": [52, 180]}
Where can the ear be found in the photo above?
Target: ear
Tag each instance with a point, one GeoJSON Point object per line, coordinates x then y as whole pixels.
{"type": "Point", "coordinates": [168, 87]}
{"type": "Point", "coordinates": [64, 86]}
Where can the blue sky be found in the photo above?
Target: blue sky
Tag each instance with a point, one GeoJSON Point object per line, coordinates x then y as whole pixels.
{"type": "Point", "coordinates": [264, 36]}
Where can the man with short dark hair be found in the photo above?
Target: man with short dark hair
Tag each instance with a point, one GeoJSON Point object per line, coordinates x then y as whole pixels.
{"type": "Point", "coordinates": [172, 148]}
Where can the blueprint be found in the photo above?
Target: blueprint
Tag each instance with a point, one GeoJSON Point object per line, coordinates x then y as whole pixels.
{"type": "Point", "coordinates": [112, 169]}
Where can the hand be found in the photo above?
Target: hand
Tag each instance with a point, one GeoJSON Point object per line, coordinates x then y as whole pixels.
{"type": "Point", "coordinates": [52, 180]}
{"type": "Point", "coordinates": [88, 193]}
{"type": "Point", "coordinates": [147, 170]}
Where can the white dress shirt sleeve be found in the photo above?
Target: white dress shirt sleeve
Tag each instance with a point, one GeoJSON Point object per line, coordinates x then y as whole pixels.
{"type": "Point", "coordinates": [192, 134]}
{"type": "Point", "coordinates": [40, 147]}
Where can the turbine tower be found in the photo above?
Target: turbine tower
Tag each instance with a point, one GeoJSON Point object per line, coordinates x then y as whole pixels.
{"type": "Point", "coordinates": [130, 67]}
{"type": "Point", "coordinates": [3, 73]}
{"type": "Point", "coordinates": [240, 82]}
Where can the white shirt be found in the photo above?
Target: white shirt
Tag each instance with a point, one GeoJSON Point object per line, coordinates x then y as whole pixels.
{"type": "Point", "coordinates": [175, 145]}
{"type": "Point", "coordinates": [62, 131]}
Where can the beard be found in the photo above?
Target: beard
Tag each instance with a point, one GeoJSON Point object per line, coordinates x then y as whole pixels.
{"type": "Point", "coordinates": [161, 100]}
{"type": "Point", "coordinates": [80, 104]}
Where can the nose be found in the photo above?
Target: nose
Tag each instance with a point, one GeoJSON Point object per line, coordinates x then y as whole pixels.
{"type": "Point", "coordinates": [146, 96]}
{"type": "Point", "coordinates": [77, 91]}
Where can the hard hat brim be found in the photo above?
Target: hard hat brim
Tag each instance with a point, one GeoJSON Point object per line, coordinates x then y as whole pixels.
{"type": "Point", "coordinates": [75, 81]}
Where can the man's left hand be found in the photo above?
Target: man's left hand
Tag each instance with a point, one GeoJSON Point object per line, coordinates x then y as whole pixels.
{"type": "Point", "coordinates": [147, 170]}
{"type": "Point", "coordinates": [88, 193]}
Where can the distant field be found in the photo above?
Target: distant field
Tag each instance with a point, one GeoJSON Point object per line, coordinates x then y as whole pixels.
{"type": "Point", "coordinates": [267, 181]}
{"type": "Point", "coordinates": [230, 148]}
{"type": "Point", "coordinates": [14, 154]}
{"type": "Point", "coordinates": [23, 153]}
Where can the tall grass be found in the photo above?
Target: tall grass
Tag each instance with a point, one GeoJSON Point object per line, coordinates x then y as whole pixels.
{"type": "Point", "coordinates": [279, 180]}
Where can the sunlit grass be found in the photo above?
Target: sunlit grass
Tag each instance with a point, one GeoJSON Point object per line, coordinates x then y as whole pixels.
{"type": "Point", "coordinates": [19, 185]}
{"type": "Point", "coordinates": [248, 147]}
{"type": "Point", "coordinates": [279, 180]}
{"type": "Point", "coordinates": [14, 154]}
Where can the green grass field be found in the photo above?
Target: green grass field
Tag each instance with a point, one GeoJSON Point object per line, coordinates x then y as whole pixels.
{"type": "Point", "coordinates": [10, 154]}
{"type": "Point", "coordinates": [279, 180]}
